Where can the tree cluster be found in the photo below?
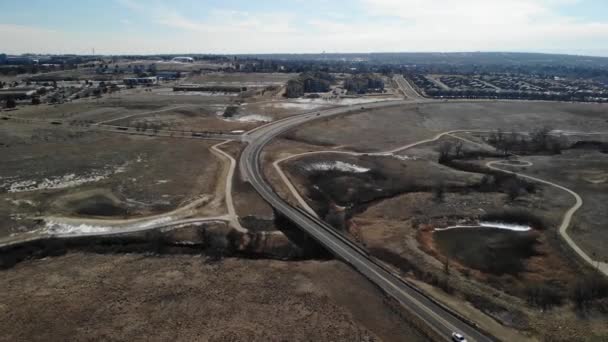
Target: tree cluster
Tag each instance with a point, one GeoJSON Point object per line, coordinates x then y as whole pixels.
{"type": "Point", "coordinates": [540, 140]}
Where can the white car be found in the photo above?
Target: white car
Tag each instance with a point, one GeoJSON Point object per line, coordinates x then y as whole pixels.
{"type": "Point", "coordinates": [456, 337]}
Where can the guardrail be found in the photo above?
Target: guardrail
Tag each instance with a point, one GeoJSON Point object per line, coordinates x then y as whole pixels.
{"type": "Point", "coordinates": [355, 246]}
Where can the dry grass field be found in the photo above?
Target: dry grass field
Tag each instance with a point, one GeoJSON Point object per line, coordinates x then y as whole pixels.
{"type": "Point", "coordinates": [84, 173]}
{"type": "Point", "coordinates": [90, 297]}
{"type": "Point", "coordinates": [393, 207]}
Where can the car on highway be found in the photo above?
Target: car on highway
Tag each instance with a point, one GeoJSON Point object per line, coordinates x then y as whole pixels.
{"type": "Point", "coordinates": [456, 337]}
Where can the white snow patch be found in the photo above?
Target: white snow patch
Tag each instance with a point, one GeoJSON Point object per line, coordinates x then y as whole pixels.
{"type": "Point", "coordinates": [345, 101]}
{"type": "Point", "coordinates": [151, 223]}
{"type": "Point", "coordinates": [66, 181]}
{"type": "Point", "coordinates": [20, 202]}
{"type": "Point", "coordinates": [396, 156]}
{"type": "Point", "coordinates": [62, 182]}
{"type": "Point", "coordinates": [491, 225]}
{"type": "Point", "coordinates": [238, 131]}
{"type": "Point", "coordinates": [194, 93]}
{"type": "Point", "coordinates": [337, 166]}
{"type": "Point", "coordinates": [508, 226]}
{"type": "Point", "coordinates": [253, 118]}
{"type": "Point", "coordinates": [294, 105]}
{"type": "Point", "coordinates": [62, 228]}
{"type": "Point", "coordinates": [65, 228]}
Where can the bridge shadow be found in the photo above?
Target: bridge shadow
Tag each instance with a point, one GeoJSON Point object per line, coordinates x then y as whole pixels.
{"type": "Point", "coordinates": [310, 248]}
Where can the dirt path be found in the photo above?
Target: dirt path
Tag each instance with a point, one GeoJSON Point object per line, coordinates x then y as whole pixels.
{"type": "Point", "coordinates": [222, 193]}
{"type": "Point", "coordinates": [301, 200]}
{"type": "Point", "coordinates": [563, 228]}
{"type": "Point", "coordinates": [234, 219]}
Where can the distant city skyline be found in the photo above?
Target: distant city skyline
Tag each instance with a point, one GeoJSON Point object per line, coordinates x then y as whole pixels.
{"type": "Point", "coordinates": [313, 26]}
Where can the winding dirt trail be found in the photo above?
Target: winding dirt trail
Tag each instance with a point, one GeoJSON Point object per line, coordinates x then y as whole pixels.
{"type": "Point", "coordinates": [566, 221]}
{"type": "Point", "coordinates": [222, 197]}
{"type": "Point", "coordinates": [563, 229]}
{"type": "Point", "coordinates": [234, 219]}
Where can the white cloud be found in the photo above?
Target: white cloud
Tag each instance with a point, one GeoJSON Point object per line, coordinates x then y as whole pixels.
{"type": "Point", "coordinates": [389, 25]}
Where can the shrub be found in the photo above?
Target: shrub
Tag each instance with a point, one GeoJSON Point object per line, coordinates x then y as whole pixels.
{"type": "Point", "coordinates": [588, 289]}
{"type": "Point", "coordinates": [544, 296]}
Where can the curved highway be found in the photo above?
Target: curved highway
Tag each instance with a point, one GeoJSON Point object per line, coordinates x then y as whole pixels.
{"type": "Point", "coordinates": [441, 320]}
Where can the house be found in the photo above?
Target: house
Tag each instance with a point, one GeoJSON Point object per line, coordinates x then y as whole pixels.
{"type": "Point", "coordinates": [168, 75]}
{"type": "Point", "coordinates": [140, 81]}
{"type": "Point", "coordinates": [17, 93]}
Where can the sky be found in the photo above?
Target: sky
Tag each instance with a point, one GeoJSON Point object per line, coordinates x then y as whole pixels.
{"type": "Point", "coordinates": [303, 26]}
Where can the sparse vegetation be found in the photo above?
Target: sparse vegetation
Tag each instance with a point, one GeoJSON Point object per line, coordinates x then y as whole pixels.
{"type": "Point", "coordinates": [587, 290]}
{"type": "Point", "coordinates": [544, 295]}
{"type": "Point", "coordinates": [492, 251]}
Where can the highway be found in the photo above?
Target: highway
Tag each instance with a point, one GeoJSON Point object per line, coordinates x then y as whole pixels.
{"type": "Point", "coordinates": [441, 320]}
{"type": "Point", "coordinates": [406, 88]}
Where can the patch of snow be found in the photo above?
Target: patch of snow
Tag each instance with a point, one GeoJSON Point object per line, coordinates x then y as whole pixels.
{"type": "Point", "coordinates": [20, 202]}
{"type": "Point", "coordinates": [121, 169]}
{"type": "Point", "coordinates": [396, 156]}
{"type": "Point", "coordinates": [253, 118]}
{"type": "Point", "coordinates": [162, 181]}
{"type": "Point", "coordinates": [296, 105]}
{"type": "Point", "coordinates": [65, 228]}
{"type": "Point", "coordinates": [345, 101]}
{"type": "Point", "coordinates": [194, 93]}
{"type": "Point", "coordinates": [491, 225]}
{"type": "Point", "coordinates": [151, 223]}
{"type": "Point", "coordinates": [508, 226]}
{"type": "Point", "coordinates": [62, 228]}
{"type": "Point", "coordinates": [337, 166]}
{"type": "Point", "coordinates": [66, 181]}
{"type": "Point", "coordinates": [62, 182]}
{"type": "Point", "coordinates": [238, 131]}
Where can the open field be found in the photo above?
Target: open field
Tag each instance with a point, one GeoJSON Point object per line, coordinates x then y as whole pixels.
{"type": "Point", "coordinates": [394, 211]}
{"type": "Point", "coordinates": [186, 298]}
{"type": "Point", "coordinates": [92, 174]}
{"type": "Point", "coordinates": [395, 223]}
{"type": "Point", "coordinates": [585, 171]}
{"type": "Point", "coordinates": [379, 130]}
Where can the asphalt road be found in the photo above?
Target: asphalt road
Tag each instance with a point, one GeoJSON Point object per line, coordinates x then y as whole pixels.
{"type": "Point", "coordinates": [438, 318]}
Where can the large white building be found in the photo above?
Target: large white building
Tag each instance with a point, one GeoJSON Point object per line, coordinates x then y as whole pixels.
{"type": "Point", "coordinates": [183, 60]}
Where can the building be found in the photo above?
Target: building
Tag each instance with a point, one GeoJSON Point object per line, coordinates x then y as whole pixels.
{"type": "Point", "coordinates": [140, 81]}
{"type": "Point", "coordinates": [183, 60]}
{"type": "Point", "coordinates": [20, 60]}
{"type": "Point", "coordinates": [168, 75]}
{"type": "Point", "coordinates": [17, 93]}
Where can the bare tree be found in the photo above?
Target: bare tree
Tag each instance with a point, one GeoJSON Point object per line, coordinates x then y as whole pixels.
{"type": "Point", "coordinates": [513, 188]}
{"type": "Point", "coordinates": [458, 148]}
{"type": "Point", "coordinates": [439, 192]}
{"type": "Point", "coordinates": [444, 149]}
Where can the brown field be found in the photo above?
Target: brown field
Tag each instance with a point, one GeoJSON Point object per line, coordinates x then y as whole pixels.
{"type": "Point", "coordinates": [378, 130]}
{"type": "Point", "coordinates": [138, 175]}
{"type": "Point", "coordinates": [492, 270]}
{"type": "Point", "coordinates": [586, 172]}
{"type": "Point", "coordinates": [90, 297]}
